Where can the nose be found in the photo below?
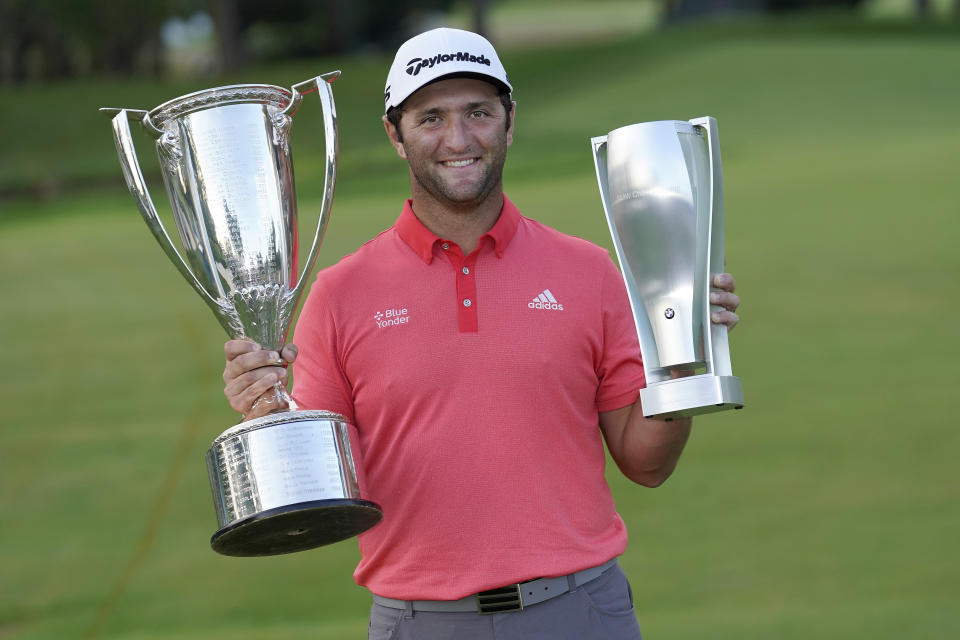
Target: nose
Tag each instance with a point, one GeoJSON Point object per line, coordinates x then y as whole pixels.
{"type": "Point", "coordinates": [457, 136]}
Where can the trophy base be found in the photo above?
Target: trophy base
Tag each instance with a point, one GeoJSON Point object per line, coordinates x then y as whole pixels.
{"type": "Point", "coordinates": [296, 527]}
{"type": "Point", "coordinates": [287, 482]}
{"type": "Point", "coordinates": [691, 396]}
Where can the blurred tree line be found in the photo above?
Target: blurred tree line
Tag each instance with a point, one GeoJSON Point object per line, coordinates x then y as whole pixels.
{"type": "Point", "coordinates": [677, 10]}
{"type": "Point", "coordinates": [49, 39]}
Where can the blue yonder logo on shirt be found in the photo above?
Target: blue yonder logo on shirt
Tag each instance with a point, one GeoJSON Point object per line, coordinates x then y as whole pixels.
{"type": "Point", "coordinates": [391, 317]}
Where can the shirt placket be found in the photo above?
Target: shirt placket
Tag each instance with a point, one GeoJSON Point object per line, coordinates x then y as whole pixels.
{"type": "Point", "coordinates": [466, 285]}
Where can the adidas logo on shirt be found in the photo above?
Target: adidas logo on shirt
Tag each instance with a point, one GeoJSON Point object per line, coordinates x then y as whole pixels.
{"type": "Point", "coordinates": [545, 301]}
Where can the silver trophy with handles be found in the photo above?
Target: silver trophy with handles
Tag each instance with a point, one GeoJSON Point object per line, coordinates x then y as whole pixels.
{"type": "Point", "coordinates": [661, 187]}
{"type": "Point", "coordinates": [290, 480]}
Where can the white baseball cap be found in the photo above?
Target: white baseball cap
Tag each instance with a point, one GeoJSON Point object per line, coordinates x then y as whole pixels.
{"type": "Point", "coordinates": [441, 53]}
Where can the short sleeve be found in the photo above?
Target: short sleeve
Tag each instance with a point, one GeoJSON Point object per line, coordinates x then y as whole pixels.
{"type": "Point", "coordinates": [620, 368]}
{"type": "Point", "coordinates": [319, 381]}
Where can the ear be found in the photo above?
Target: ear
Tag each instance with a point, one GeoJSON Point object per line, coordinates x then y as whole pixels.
{"type": "Point", "coordinates": [394, 136]}
{"type": "Point", "coordinates": [513, 113]}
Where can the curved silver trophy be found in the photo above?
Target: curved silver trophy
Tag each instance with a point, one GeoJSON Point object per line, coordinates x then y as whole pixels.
{"type": "Point", "coordinates": [662, 191]}
{"type": "Point", "coordinates": [290, 480]}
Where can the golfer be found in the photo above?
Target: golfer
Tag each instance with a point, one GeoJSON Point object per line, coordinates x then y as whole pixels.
{"type": "Point", "coordinates": [484, 359]}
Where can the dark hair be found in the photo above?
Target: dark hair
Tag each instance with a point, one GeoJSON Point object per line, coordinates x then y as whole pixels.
{"type": "Point", "coordinates": [395, 113]}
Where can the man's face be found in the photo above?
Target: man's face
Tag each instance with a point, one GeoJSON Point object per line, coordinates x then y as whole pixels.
{"type": "Point", "coordinates": [455, 139]}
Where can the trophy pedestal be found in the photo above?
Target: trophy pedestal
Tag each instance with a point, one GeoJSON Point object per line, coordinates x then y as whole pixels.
{"type": "Point", "coordinates": [296, 527]}
{"type": "Point", "coordinates": [690, 396]}
{"type": "Point", "coordinates": [287, 482]}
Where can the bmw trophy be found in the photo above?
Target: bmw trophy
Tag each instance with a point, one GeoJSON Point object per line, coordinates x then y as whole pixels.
{"type": "Point", "coordinates": [661, 187]}
{"type": "Point", "coordinates": [290, 480]}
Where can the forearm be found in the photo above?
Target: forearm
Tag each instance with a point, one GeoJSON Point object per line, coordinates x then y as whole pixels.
{"type": "Point", "coordinates": [645, 449]}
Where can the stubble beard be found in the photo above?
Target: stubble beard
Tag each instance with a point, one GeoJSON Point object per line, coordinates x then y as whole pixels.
{"type": "Point", "coordinates": [461, 197]}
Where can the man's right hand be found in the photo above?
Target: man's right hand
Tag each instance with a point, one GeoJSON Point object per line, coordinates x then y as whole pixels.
{"type": "Point", "coordinates": [250, 375]}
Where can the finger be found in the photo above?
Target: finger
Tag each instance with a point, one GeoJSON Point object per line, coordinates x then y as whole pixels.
{"type": "Point", "coordinates": [724, 281]}
{"type": "Point", "coordinates": [261, 359]}
{"type": "Point", "coordinates": [242, 392]}
{"type": "Point", "coordinates": [234, 348]}
{"type": "Point", "coordinates": [266, 403]}
{"type": "Point", "coordinates": [726, 300]}
{"type": "Point", "coordinates": [252, 379]}
{"type": "Point", "coordinates": [244, 401]}
{"type": "Point", "coordinates": [261, 406]}
{"type": "Point", "coordinates": [728, 318]}
{"type": "Point", "coordinates": [248, 362]}
{"type": "Point", "coordinates": [289, 353]}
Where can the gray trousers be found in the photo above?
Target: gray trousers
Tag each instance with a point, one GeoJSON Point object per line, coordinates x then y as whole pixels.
{"type": "Point", "coordinates": [601, 609]}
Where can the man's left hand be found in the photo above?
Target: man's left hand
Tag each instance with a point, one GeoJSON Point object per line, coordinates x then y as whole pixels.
{"type": "Point", "coordinates": [722, 295]}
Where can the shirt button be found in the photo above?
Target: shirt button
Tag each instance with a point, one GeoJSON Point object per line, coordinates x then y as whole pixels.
{"type": "Point", "coordinates": [466, 271]}
{"type": "Point", "coordinates": [467, 302]}
{"type": "Point", "coordinates": [445, 246]}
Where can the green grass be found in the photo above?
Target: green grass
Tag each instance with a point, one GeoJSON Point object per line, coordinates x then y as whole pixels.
{"type": "Point", "coordinates": [825, 509]}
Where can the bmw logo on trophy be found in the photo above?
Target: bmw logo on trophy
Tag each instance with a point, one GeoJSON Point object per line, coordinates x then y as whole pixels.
{"type": "Point", "coordinates": [661, 187]}
{"type": "Point", "coordinates": [290, 480]}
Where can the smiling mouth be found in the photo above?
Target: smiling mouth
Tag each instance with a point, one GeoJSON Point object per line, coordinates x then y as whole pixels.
{"type": "Point", "coordinates": [459, 163]}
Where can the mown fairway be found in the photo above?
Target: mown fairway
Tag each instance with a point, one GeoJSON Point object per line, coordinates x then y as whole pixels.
{"type": "Point", "coordinates": [826, 509]}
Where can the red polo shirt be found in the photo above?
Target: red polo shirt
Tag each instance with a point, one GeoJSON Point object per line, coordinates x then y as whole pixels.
{"type": "Point", "coordinates": [475, 383]}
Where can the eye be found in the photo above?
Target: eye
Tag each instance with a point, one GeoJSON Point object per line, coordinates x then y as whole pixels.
{"type": "Point", "coordinates": [431, 119]}
{"type": "Point", "coordinates": [478, 114]}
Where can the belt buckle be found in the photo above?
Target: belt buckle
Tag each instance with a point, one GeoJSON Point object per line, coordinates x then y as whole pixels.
{"type": "Point", "coordinates": [499, 600]}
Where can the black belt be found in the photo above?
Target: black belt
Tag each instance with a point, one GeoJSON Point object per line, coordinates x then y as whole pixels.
{"type": "Point", "coordinates": [513, 597]}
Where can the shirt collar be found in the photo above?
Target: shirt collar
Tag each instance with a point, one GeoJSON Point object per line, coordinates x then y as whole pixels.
{"type": "Point", "coordinates": [422, 240]}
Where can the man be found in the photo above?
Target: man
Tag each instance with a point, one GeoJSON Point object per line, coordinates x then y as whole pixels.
{"type": "Point", "coordinates": [478, 410]}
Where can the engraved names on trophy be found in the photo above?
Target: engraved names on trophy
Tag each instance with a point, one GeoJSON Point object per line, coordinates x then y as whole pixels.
{"type": "Point", "coordinates": [295, 462]}
{"type": "Point", "coordinates": [242, 496]}
{"type": "Point", "coordinates": [244, 193]}
{"type": "Point", "coordinates": [243, 181]}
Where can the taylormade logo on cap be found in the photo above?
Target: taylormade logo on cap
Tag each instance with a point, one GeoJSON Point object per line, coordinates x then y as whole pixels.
{"type": "Point", "coordinates": [439, 53]}
{"type": "Point", "coordinates": [414, 66]}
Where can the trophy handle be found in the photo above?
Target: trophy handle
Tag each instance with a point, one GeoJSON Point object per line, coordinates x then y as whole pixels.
{"type": "Point", "coordinates": [599, 145]}
{"type": "Point", "coordinates": [719, 346]}
{"type": "Point", "coordinates": [138, 189]}
{"type": "Point", "coordinates": [320, 84]}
